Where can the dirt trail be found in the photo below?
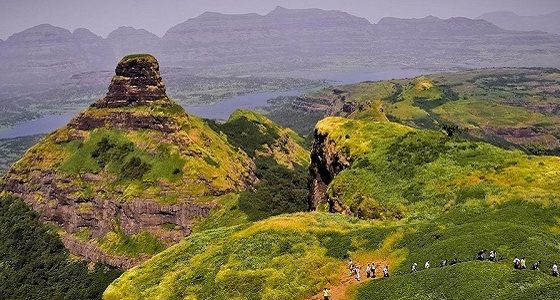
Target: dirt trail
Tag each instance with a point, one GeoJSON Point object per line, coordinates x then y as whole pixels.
{"type": "Point", "coordinates": [340, 289]}
{"type": "Point", "coordinates": [384, 256]}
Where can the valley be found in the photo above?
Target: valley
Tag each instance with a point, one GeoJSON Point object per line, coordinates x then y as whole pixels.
{"type": "Point", "coordinates": [279, 155]}
{"type": "Point", "coordinates": [189, 207]}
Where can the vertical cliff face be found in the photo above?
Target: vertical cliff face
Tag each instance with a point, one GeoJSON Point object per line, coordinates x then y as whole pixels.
{"type": "Point", "coordinates": [131, 174]}
{"type": "Point", "coordinates": [326, 162]}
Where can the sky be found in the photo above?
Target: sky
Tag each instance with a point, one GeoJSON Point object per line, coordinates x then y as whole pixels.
{"type": "Point", "coordinates": [157, 16]}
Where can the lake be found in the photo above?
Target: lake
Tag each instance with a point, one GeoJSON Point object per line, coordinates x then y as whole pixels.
{"type": "Point", "coordinates": [221, 109]}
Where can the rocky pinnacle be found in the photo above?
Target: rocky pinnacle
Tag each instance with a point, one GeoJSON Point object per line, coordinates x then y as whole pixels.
{"type": "Point", "coordinates": [137, 81]}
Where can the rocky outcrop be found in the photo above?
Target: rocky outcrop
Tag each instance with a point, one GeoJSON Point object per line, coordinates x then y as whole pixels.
{"type": "Point", "coordinates": [93, 253]}
{"type": "Point", "coordinates": [137, 82]}
{"type": "Point", "coordinates": [124, 120]}
{"type": "Point", "coordinates": [326, 163]}
{"type": "Point", "coordinates": [72, 211]}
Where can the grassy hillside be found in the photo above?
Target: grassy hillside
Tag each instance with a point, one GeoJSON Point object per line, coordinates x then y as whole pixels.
{"type": "Point", "coordinates": [260, 137]}
{"type": "Point", "coordinates": [433, 197]}
{"type": "Point", "coordinates": [429, 171]}
{"type": "Point", "coordinates": [154, 153]}
{"type": "Point", "coordinates": [285, 257]}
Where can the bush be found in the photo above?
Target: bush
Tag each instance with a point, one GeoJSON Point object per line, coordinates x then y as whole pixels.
{"type": "Point", "coordinates": [135, 168]}
{"type": "Point", "coordinates": [280, 190]}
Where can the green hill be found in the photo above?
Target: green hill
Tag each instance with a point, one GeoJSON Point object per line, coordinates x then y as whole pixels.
{"type": "Point", "coordinates": [432, 196]}
{"type": "Point", "coordinates": [281, 159]}
{"type": "Point", "coordinates": [131, 174]}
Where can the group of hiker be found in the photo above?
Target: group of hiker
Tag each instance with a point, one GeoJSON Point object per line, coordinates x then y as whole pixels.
{"type": "Point", "coordinates": [427, 264]}
{"type": "Point", "coordinates": [521, 264]}
{"type": "Point", "coordinates": [518, 264]}
{"type": "Point", "coordinates": [370, 270]}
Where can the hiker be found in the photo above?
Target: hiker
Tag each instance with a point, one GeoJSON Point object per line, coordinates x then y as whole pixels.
{"type": "Point", "coordinates": [555, 270]}
{"type": "Point", "coordinates": [454, 261]}
{"type": "Point", "coordinates": [373, 270]}
{"type": "Point", "coordinates": [325, 294]}
{"type": "Point", "coordinates": [368, 271]}
{"type": "Point", "coordinates": [493, 255]}
{"type": "Point", "coordinates": [443, 263]}
{"type": "Point", "coordinates": [386, 271]}
{"type": "Point", "coordinates": [523, 264]}
{"type": "Point", "coordinates": [427, 265]}
{"type": "Point", "coordinates": [413, 268]}
{"type": "Point", "coordinates": [357, 273]}
{"type": "Point", "coordinates": [481, 255]}
{"type": "Point", "coordinates": [350, 265]}
{"type": "Point", "coordinates": [536, 266]}
{"type": "Point", "coordinates": [516, 263]}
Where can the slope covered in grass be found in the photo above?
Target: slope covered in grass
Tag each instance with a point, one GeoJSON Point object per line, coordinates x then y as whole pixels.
{"type": "Point", "coordinates": [258, 136]}
{"type": "Point", "coordinates": [473, 280]}
{"type": "Point", "coordinates": [285, 257]}
{"type": "Point", "coordinates": [427, 197]}
{"type": "Point", "coordinates": [398, 172]}
{"type": "Point", "coordinates": [281, 166]}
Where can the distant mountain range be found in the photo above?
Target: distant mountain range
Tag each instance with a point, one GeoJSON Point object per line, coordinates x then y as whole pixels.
{"type": "Point", "coordinates": [282, 42]}
{"type": "Point", "coordinates": [509, 20]}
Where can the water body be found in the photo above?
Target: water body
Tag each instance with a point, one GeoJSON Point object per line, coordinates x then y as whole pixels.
{"type": "Point", "coordinates": [221, 109]}
{"type": "Point", "coordinates": [41, 125]}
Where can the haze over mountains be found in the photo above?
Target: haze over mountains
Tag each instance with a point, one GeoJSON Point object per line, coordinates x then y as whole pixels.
{"type": "Point", "coordinates": [509, 20]}
{"type": "Point", "coordinates": [282, 42]}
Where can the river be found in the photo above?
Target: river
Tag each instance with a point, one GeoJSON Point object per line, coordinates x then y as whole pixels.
{"type": "Point", "coordinates": [221, 109]}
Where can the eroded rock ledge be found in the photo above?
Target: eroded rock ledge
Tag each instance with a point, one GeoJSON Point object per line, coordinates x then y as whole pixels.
{"type": "Point", "coordinates": [124, 120]}
{"type": "Point", "coordinates": [98, 215]}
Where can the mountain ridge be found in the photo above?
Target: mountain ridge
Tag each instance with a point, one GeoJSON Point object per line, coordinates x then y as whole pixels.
{"type": "Point", "coordinates": [308, 39]}
{"type": "Point", "coordinates": [547, 22]}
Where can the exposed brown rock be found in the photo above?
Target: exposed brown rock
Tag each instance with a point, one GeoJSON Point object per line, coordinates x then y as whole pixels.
{"type": "Point", "coordinates": [326, 163]}
{"type": "Point", "coordinates": [137, 82]}
{"type": "Point", "coordinates": [123, 120]}
{"type": "Point", "coordinates": [93, 253]}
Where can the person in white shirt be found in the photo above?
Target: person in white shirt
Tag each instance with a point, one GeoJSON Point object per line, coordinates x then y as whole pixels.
{"type": "Point", "coordinates": [516, 263]}
{"type": "Point", "coordinates": [427, 265]}
{"type": "Point", "coordinates": [386, 271]}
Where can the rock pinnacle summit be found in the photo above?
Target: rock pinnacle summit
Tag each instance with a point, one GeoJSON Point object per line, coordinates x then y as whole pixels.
{"type": "Point", "coordinates": [137, 81]}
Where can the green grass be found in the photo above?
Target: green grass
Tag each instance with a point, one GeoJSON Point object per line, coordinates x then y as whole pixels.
{"type": "Point", "coordinates": [429, 172]}
{"type": "Point", "coordinates": [260, 137]}
{"type": "Point", "coordinates": [113, 151]}
{"type": "Point", "coordinates": [280, 258]}
{"type": "Point", "coordinates": [118, 243]}
{"type": "Point", "coordinates": [431, 196]}
{"type": "Point", "coordinates": [474, 280]}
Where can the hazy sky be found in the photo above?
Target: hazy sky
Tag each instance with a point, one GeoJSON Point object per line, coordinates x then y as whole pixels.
{"type": "Point", "coordinates": [103, 16]}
